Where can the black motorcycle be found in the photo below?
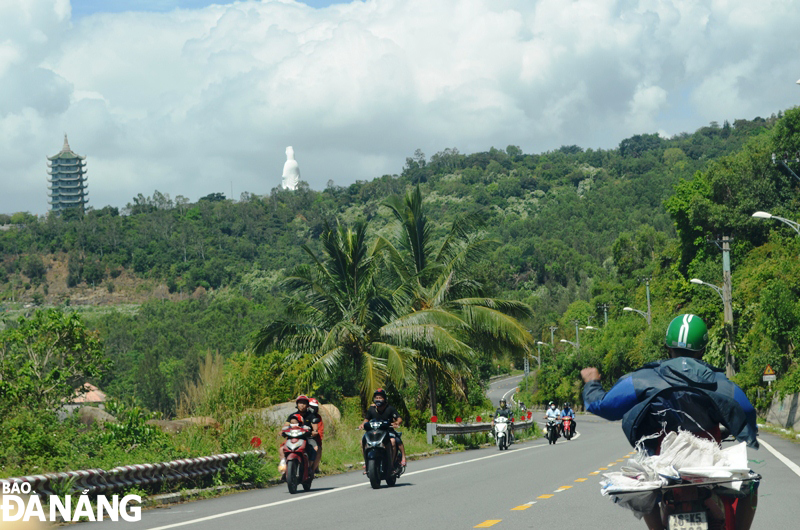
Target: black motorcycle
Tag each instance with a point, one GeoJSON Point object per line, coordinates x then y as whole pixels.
{"type": "Point", "coordinates": [378, 449]}
{"type": "Point", "coordinates": [553, 426]}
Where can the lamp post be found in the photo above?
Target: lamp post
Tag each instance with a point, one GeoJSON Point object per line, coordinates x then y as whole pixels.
{"type": "Point", "coordinates": [539, 345]}
{"type": "Point", "coordinates": [569, 342]}
{"type": "Point", "coordinates": [728, 314]}
{"type": "Point", "coordinates": [765, 215]}
{"type": "Point", "coordinates": [645, 315]}
{"type": "Point", "coordinates": [552, 330]}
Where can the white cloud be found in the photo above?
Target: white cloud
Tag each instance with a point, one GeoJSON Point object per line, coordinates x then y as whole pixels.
{"type": "Point", "coordinates": [190, 100]}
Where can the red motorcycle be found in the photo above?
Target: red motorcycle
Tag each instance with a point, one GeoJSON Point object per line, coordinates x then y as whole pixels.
{"type": "Point", "coordinates": [298, 460]}
{"type": "Point", "coordinates": [567, 427]}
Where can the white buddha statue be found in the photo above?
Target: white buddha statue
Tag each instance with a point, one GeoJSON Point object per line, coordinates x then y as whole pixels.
{"type": "Point", "coordinates": [291, 171]}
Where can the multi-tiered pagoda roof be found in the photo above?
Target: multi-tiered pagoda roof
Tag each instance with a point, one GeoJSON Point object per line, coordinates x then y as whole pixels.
{"type": "Point", "coordinates": [67, 172]}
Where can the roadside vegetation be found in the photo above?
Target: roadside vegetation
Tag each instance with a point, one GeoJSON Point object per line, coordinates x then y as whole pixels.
{"type": "Point", "coordinates": [426, 283]}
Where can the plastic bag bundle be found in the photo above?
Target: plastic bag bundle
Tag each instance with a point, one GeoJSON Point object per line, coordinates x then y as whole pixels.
{"type": "Point", "coordinates": [683, 457]}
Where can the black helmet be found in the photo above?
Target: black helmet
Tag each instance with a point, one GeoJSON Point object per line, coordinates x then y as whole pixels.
{"type": "Point", "coordinates": [382, 393]}
{"type": "Point", "coordinates": [566, 405]}
{"type": "Point", "coordinates": [503, 401]}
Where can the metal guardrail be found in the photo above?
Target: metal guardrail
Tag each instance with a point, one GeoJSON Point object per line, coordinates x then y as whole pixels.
{"type": "Point", "coordinates": [450, 429]}
{"type": "Point", "coordinates": [100, 480]}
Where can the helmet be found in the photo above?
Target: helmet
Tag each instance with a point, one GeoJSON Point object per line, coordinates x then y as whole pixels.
{"type": "Point", "coordinates": [687, 332]}
{"type": "Point", "coordinates": [566, 405]}
{"type": "Point", "coordinates": [502, 401]}
{"type": "Point", "coordinates": [551, 403]}
{"type": "Point", "coordinates": [313, 404]}
{"type": "Point", "coordinates": [301, 397]}
{"type": "Point", "coordinates": [379, 392]}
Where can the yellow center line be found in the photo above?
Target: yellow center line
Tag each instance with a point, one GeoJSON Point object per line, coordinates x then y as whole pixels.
{"type": "Point", "coordinates": [594, 473]}
{"type": "Point", "coordinates": [603, 468]}
{"type": "Point", "coordinates": [621, 460]}
{"type": "Point", "coordinates": [522, 507]}
{"type": "Point", "coordinates": [487, 523]}
{"type": "Point", "coordinates": [545, 496]}
{"type": "Point", "coordinates": [611, 464]}
{"type": "Point", "coordinates": [562, 488]}
{"type": "Point", "coordinates": [580, 480]}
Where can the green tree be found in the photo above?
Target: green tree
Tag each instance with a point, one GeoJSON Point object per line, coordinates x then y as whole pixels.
{"type": "Point", "coordinates": [436, 296]}
{"type": "Point", "coordinates": [45, 357]}
{"type": "Point", "coordinates": [335, 313]}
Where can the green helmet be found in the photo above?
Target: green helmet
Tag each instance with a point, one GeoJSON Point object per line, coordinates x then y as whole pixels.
{"type": "Point", "coordinates": [687, 332]}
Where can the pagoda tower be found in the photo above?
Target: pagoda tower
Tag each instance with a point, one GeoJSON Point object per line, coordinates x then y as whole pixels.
{"type": "Point", "coordinates": [67, 172]}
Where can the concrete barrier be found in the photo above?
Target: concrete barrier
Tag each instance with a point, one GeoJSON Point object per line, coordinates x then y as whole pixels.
{"type": "Point", "coordinates": [784, 411]}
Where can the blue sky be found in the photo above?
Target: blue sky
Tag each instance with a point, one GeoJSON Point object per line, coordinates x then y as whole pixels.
{"type": "Point", "coordinates": [81, 8]}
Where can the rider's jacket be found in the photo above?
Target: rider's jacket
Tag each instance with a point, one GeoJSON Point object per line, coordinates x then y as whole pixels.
{"type": "Point", "coordinates": [676, 393]}
{"type": "Point", "coordinates": [506, 412]}
{"type": "Point", "coordinates": [567, 413]}
{"type": "Point", "coordinates": [552, 413]}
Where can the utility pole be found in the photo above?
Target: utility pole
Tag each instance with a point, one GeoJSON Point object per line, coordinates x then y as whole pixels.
{"type": "Point", "coordinates": [605, 313]}
{"type": "Point", "coordinates": [577, 338]}
{"type": "Point", "coordinates": [727, 304]}
{"type": "Point", "coordinates": [552, 341]}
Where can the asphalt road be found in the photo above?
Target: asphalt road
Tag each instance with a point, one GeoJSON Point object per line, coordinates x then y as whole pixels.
{"type": "Point", "coordinates": [532, 485]}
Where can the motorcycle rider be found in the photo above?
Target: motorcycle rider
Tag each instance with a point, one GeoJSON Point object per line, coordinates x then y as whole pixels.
{"type": "Point", "coordinates": [567, 412]}
{"type": "Point", "coordinates": [504, 411]}
{"type": "Point", "coordinates": [381, 410]}
{"type": "Point", "coordinates": [304, 417]}
{"type": "Point", "coordinates": [552, 413]}
{"type": "Point", "coordinates": [313, 406]}
{"type": "Point", "coordinates": [660, 397]}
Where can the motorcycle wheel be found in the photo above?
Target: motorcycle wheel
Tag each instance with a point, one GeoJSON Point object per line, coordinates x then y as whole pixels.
{"type": "Point", "coordinates": [373, 472]}
{"type": "Point", "coordinates": [292, 475]}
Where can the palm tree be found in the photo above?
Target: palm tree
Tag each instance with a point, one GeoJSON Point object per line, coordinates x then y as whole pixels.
{"type": "Point", "coordinates": [334, 314]}
{"type": "Point", "coordinates": [434, 297]}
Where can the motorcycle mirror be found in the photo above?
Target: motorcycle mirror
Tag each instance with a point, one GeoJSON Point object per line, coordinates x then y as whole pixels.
{"type": "Point", "coordinates": [491, 415]}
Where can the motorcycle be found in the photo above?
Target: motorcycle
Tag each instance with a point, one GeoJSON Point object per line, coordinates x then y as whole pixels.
{"type": "Point", "coordinates": [695, 503]}
{"type": "Point", "coordinates": [682, 487]}
{"type": "Point", "coordinates": [566, 427]}
{"type": "Point", "coordinates": [553, 427]}
{"type": "Point", "coordinates": [298, 461]}
{"type": "Point", "coordinates": [501, 432]}
{"type": "Point", "coordinates": [378, 457]}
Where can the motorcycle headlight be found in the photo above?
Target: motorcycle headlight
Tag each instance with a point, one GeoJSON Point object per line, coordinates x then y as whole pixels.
{"type": "Point", "coordinates": [293, 444]}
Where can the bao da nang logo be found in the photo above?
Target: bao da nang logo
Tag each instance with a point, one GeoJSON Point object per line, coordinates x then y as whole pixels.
{"type": "Point", "coordinates": [20, 503]}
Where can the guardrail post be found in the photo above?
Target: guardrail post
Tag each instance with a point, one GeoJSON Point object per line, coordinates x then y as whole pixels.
{"type": "Point", "coordinates": [430, 432]}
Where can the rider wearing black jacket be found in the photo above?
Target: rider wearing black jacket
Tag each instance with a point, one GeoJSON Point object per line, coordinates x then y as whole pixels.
{"type": "Point", "coordinates": [381, 410]}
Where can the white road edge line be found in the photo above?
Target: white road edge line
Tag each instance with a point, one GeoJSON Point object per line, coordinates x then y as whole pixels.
{"type": "Point", "coordinates": [308, 496]}
{"type": "Point", "coordinates": [791, 465]}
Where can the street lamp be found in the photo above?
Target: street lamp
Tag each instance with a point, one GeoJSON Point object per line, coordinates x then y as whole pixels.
{"type": "Point", "coordinates": [539, 345]}
{"type": "Point", "coordinates": [569, 342]}
{"type": "Point", "coordinates": [765, 215]}
{"type": "Point", "coordinates": [645, 315]}
{"type": "Point", "coordinates": [718, 289]}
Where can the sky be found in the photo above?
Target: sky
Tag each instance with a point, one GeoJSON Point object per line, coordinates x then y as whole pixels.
{"type": "Point", "coordinates": [190, 97]}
